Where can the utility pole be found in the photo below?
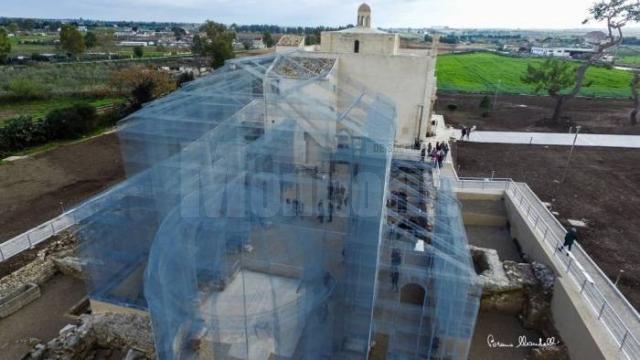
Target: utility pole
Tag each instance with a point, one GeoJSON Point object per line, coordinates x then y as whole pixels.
{"type": "Point", "coordinates": [566, 169]}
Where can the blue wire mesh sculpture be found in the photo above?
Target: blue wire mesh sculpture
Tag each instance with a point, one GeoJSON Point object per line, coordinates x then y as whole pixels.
{"type": "Point", "coordinates": [261, 207]}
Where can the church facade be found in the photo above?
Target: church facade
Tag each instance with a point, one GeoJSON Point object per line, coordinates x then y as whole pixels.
{"type": "Point", "coordinates": [374, 58]}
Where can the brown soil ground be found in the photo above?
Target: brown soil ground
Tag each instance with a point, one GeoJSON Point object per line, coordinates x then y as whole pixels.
{"type": "Point", "coordinates": [41, 319]}
{"type": "Point", "coordinates": [602, 186]}
{"type": "Point", "coordinates": [34, 188]}
{"type": "Point", "coordinates": [526, 113]}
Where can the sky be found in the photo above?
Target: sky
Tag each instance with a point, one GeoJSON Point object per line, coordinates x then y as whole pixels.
{"type": "Point", "coordinates": [521, 14]}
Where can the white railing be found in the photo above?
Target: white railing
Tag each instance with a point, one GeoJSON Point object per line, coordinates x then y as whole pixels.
{"type": "Point", "coordinates": [609, 305]}
{"type": "Point", "coordinates": [69, 218]}
{"type": "Point", "coordinates": [36, 235]}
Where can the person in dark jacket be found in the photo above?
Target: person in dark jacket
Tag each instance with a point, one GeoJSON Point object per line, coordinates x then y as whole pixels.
{"type": "Point", "coordinates": [569, 239]}
{"type": "Point", "coordinates": [395, 276]}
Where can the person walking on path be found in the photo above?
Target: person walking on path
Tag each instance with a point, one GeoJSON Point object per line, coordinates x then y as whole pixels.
{"type": "Point", "coordinates": [569, 239]}
{"type": "Point", "coordinates": [395, 276]}
{"type": "Point", "coordinates": [330, 211]}
{"type": "Point", "coordinates": [321, 212]}
{"type": "Point", "coordinates": [423, 153]}
{"type": "Point", "coordinates": [396, 259]}
{"type": "Point", "coordinates": [464, 133]}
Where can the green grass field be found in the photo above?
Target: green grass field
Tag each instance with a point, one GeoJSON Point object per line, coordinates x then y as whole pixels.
{"type": "Point", "coordinates": [629, 60]}
{"type": "Point", "coordinates": [486, 73]}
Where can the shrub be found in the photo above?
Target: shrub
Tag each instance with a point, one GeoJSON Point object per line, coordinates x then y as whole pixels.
{"type": "Point", "coordinates": [185, 77]}
{"type": "Point", "coordinates": [26, 89]}
{"type": "Point", "coordinates": [143, 92]}
{"type": "Point", "coordinates": [71, 122]}
{"type": "Point", "coordinates": [20, 133]}
{"type": "Point", "coordinates": [111, 117]}
{"type": "Point", "coordinates": [485, 103]}
{"type": "Point", "coordinates": [138, 51]}
{"type": "Point", "coordinates": [452, 107]}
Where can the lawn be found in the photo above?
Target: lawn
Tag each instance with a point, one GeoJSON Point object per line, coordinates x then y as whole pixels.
{"type": "Point", "coordinates": [39, 108]}
{"type": "Point", "coordinates": [28, 49]}
{"type": "Point", "coordinates": [629, 60]}
{"type": "Point", "coordinates": [488, 73]}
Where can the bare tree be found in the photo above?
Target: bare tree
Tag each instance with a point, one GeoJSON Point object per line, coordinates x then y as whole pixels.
{"type": "Point", "coordinates": [616, 14]}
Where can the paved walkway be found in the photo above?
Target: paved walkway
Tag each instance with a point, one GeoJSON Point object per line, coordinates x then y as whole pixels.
{"type": "Point", "coordinates": [508, 137]}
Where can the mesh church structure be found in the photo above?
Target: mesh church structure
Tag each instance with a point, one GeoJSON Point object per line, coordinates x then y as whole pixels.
{"type": "Point", "coordinates": [267, 215]}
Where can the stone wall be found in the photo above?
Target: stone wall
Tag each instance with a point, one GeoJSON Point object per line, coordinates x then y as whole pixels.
{"type": "Point", "coordinates": [18, 298]}
{"type": "Point", "coordinates": [521, 289]}
{"type": "Point", "coordinates": [123, 332]}
{"type": "Point", "coordinates": [42, 268]}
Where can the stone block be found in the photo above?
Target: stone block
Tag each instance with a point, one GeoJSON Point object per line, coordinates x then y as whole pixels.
{"type": "Point", "coordinates": [18, 298]}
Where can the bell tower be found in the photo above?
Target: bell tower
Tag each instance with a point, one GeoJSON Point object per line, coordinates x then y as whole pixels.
{"type": "Point", "coordinates": [364, 16]}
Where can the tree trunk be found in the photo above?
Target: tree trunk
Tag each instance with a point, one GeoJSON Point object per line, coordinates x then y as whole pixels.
{"type": "Point", "coordinates": [633, 117]}
{"type": "Point", "coordinates": [557, 112]}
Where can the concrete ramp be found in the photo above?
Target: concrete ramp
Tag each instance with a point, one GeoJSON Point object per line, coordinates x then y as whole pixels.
{"type": "Point", "coordinates": [484, 213]}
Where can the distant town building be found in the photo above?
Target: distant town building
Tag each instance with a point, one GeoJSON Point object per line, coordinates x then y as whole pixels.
{"type": "Point", "coordinates": [250, 41]}
{"type": "Point", "coordinates": [136, 43]}
{"type": "Point", "coordinates": [561, 52]}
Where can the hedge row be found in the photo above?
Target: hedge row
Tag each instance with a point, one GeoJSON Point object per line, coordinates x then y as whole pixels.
{"type": "Point", "coordinates": [61, 124]}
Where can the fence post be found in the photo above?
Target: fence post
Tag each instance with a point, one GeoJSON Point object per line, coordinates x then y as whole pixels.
{"type": "Point", "coordinates": [53, 230]}
{"type": "Point", "coordinates": [624, 338]}
{"type": "Point", "coordinates": [29, 240]}
{"type": "Point", "coordinates": [1, 254]}
{"type": "Point", "coordinates": [604, 303]}
{"type": "Point", "coordinates": [569, 265]}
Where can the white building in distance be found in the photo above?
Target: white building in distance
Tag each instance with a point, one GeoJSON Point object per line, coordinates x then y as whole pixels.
{"type": "Point", "coordinates": [560, 51]}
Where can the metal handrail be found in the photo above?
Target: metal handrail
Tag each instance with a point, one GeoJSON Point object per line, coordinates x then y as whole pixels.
{"type": "Point", "coordinates": [539, 216]}
{"type": "Point", "coordinates": [584, 253]}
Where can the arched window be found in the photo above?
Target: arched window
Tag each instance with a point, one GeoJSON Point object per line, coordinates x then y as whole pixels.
{"type": "Point", "coordinates": [412, 294]}
{"type": "Point", "coordinates": [356, 46]}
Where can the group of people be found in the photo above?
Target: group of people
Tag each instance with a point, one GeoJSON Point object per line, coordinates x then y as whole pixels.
{"type": "Point", "coordinates": [337, 197]}
{"type": "Point", "coordinates": [294, 207]}
{"type": "Point", "coordinates": [437, 153]}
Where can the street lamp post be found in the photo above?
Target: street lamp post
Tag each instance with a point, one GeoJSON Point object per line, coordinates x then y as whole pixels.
{"type": "Point", "coordinates": [495, 96]}
{"type": "Point", "coordinates": [566, 169]}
